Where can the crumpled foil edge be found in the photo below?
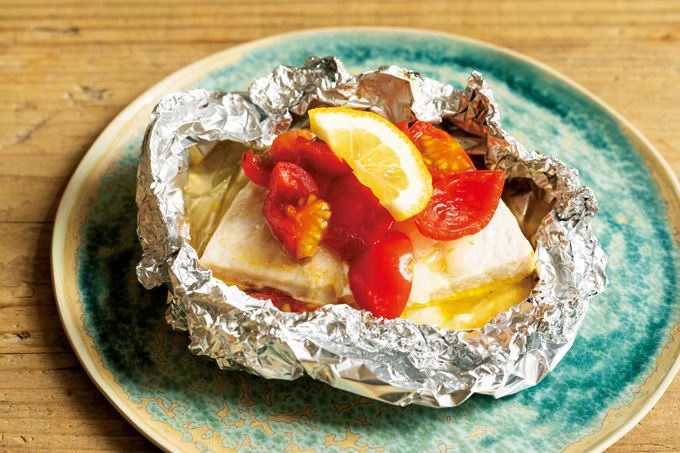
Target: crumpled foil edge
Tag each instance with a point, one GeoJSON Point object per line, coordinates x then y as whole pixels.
{"type": "Point", "coordinates": [394, 361]}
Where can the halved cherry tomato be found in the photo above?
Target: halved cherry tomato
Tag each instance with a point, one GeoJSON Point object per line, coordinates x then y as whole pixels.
{"type": "Point", "coordinates": [381, 277]}
{"type": "Point", "coordinates": [282, 148]}
{"type": "Point", "coordinates": [323, 183]}
{"type": "Point", "coordinates": [255, 169]}
{"type": "Point", "coordinates": [358, 221]}
{"type": "Point", "coordinates": [295, 214]}
{"type": "Point", "coordinates": [442, 154]}
{"type": "Point", "coordinates": [462, 203]}
{"type": "Point", "coordinates": [403, 126]}
{"type": "Point", "coordinates": [298, 147]}
{"type": "Point", "coordinates": [284, 302]}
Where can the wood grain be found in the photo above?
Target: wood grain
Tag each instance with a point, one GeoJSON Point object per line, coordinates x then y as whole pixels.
{"type": "Point", "coordinates": [67, 68]}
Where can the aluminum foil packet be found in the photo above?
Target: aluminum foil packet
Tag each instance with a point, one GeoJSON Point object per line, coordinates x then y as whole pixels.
{"type": "Point", "coordinates": [395, 361]}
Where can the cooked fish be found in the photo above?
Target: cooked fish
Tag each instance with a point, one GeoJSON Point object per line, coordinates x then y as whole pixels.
{"type": "Point", "coordinates": [463, 283]}
{"type": "Point", "coordinates": [456, 284]}
{"type": "Point", "coordinates": [243, 251]}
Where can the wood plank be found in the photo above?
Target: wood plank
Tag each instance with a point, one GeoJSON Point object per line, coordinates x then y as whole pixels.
{"type": "Point", "coordinates": [25, 255]}
{"type": "Point", "coordinates": [57, 396]}
{"type": "Point", "coordinates": [21, 318]}
{"type": "Point", "coordinates": [25, 362]}
{"type": "Point", "coordinates": [126, 442]}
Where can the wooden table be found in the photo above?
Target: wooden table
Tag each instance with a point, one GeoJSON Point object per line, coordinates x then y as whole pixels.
{"type": "Point", "coordinates": [67, 68]}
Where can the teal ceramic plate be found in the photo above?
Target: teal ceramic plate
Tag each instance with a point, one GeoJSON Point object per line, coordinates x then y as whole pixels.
{"type": "Point", "coordinates": [622, 361]}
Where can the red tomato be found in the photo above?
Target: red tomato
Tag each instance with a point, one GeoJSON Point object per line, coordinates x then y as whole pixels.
{"type": "Point", "coordinates": [358, 220]}
{"type": "Point", "coordinates": [462, 203]}
{"type": "Point", "coordinates": [283, 301]}
{"type": "Point", "coordinates": [254, 168]}
{"type": "Point", "coordinates": [298, 147]}
{"type": "Point", "coordinates": [323, 183]}
{"type": "Point", "coordinates": [381, 277]}
{"type": "Point", "coordinates": [403, 126]}
{"type": "Point", "coordinates": [295, 214]}
{"type": "Point", "coordinates": [442, 154]}
{"type": "Point", "coordinates": [282, 148]}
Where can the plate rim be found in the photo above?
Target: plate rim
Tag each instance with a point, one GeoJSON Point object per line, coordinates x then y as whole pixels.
{"type": "Point", "coordinates": [653, 159]}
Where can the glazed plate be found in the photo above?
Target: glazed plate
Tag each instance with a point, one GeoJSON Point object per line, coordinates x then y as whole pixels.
{"type": "Point", "coordinates": [624, 358]}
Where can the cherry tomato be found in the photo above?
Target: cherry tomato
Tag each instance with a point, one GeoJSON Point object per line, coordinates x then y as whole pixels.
{"type": "Point", "coordinates": [295, 214]}
{"type": "Point", "coordinates": [403, 126]}
{"type": "Point", "coordinates": [358, 220]}
{"type": "Point", "coordinates": [282, 148]}
{"type": "Point", "coordinates": [381, 277]}
{"type": "Point", "coordinates": [284, 302]}
{"type": "Point", "coordinates": [298, 147]}
{"type": "Point", "coordinates": [323, 183]}
{"type": "Point", "coordinates": [463, 203]}
{"type": "Point", "coordinates": [442, 154]}
{"type": "Point", "coordinates": [255, 169]}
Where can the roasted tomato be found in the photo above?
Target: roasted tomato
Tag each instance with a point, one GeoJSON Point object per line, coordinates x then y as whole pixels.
{"type": "Point", "coordinates": [442, 154]}
{"type": "Point", "coordinates": [255, 169]}
{"type": "Point", "coordinates": [381, 277]}
{"type": "Point", "coordinates": [283, 148]}
{"type": "Point", "coordinates": [283, 301]}
{"type": "Point", "coordinates": [298, 147]}
{"type": "Point", "coordinates": [295, 214]}
{"type": "Point", "coordinates": [358, 220]}
{"type": "Point", "coordinates": [462, 203]}
{"type": "Point", "coordinates": [403, 126]}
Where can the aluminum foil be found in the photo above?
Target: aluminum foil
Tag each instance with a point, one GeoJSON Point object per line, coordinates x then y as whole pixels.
{"type": "Point", "coordinates": [394, 361]}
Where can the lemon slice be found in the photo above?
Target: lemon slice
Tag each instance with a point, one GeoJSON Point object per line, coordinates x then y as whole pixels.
{"type": "Point", "coordinates": [382, 157]}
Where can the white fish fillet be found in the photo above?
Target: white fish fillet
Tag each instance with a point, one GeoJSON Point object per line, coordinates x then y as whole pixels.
{"type": "Point", "coordinates": [244, 251]}
{"type": "Point", "coordinates": [498, 252]}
